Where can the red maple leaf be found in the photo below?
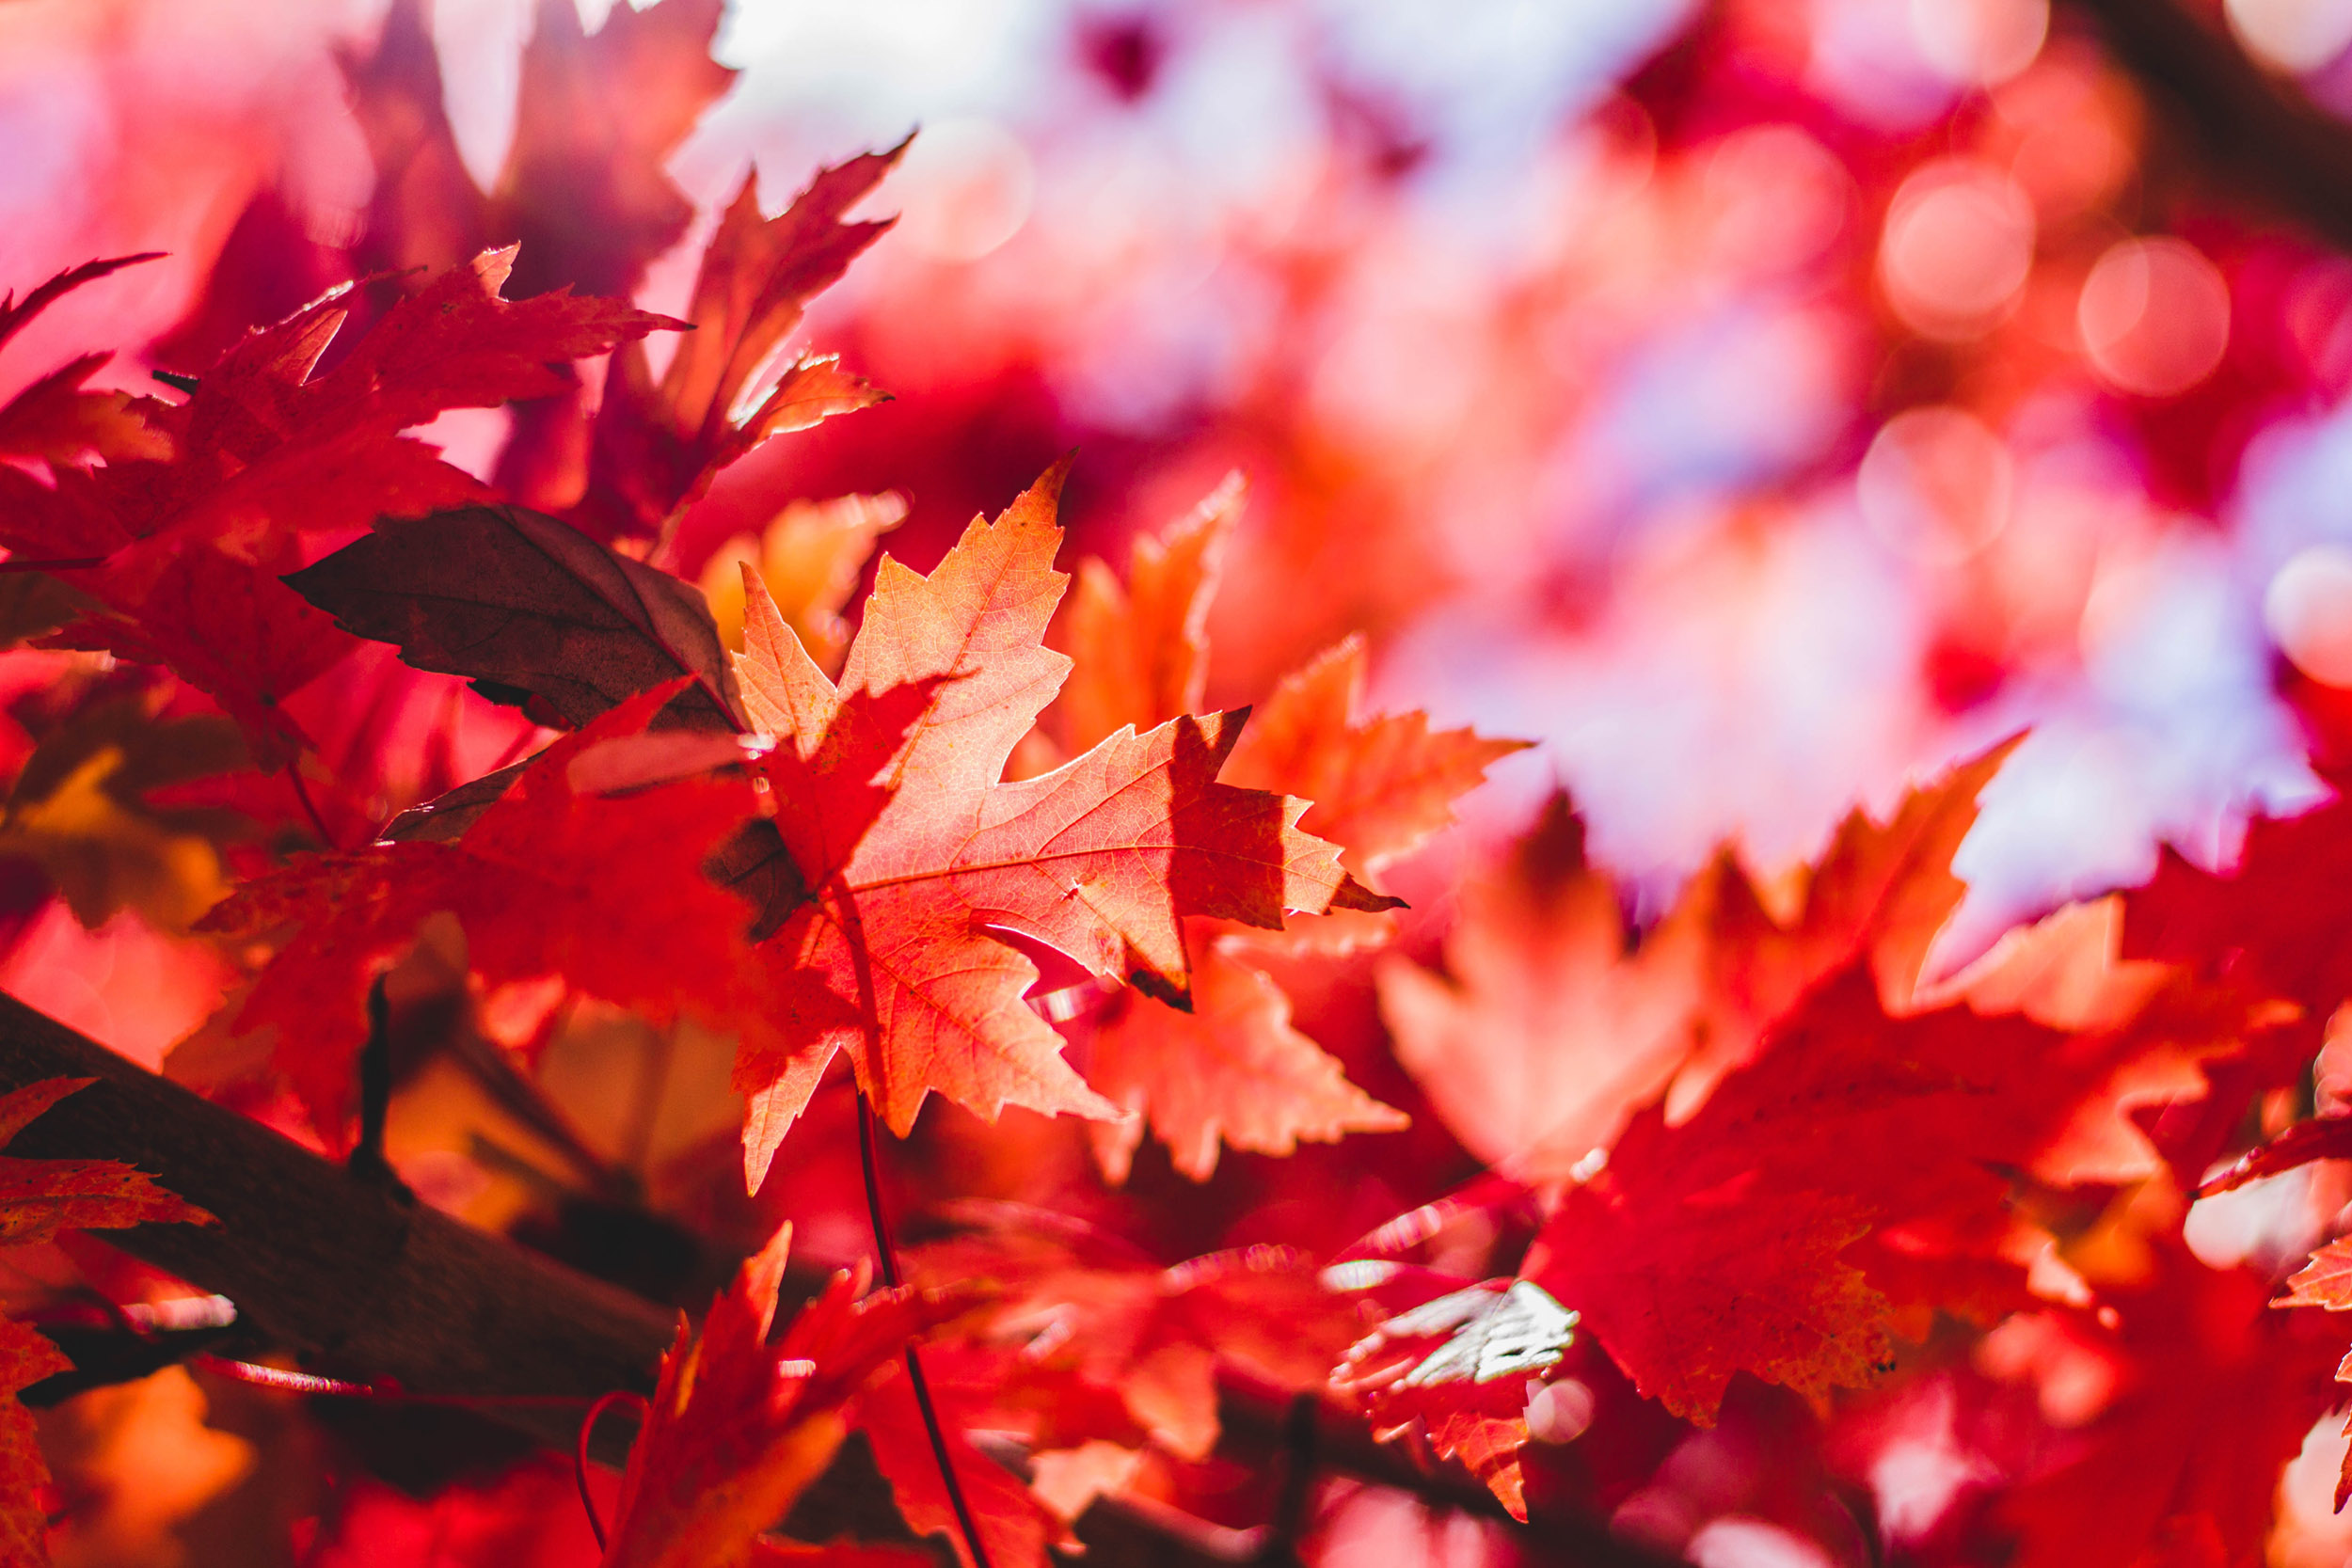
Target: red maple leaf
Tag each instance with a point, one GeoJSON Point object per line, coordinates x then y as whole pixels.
{"type": "Point", "coordinates": [182, 548]}
{"type": "Point", "coordinates": [1014, 1527]}
{"type": "Point", "coordinates": [54, 420]}
{"type": "Point", "coordinates": [228, 627]}
{"type": "Point", "coordinates": [2214, 1395]}
{"type": "Point", "coordinates": [739, 1428]}
{"type": "Point", "coordinates": [1722, 1244]}
{"type": "Point", "coordinates": [658, 444]}
{"type": "Point", "coordinates": [2278, 922]}
{"type": "Point", "coordinates": [890, 802]}
{"type": "Point", "coordinates": [580, 871]}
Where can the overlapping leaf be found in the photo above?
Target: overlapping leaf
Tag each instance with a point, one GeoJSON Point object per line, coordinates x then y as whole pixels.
{"type": "Point", "coordinates": [1232, 1069]}
{"type": "Point", "coordinates": [739, 1428]}
{"type": "Point", "coordinates": [530, 610]}
{"type": "Point", "coordinates": [54, 419]}
{"type": "Point", "coordinates": [658, 443]}
{"type": "Point", "coordinates": [888, 800]}
{"type": "Point", "coordinates": [1461, 1369]}
{"type": "Point", "coordinates": [1553, 1025]}
{"type": "Point", "coordinates": [580, 871]}
{"type": "Point", "coordinates": [181, 548]}
{"type": "Point", "coordinates": [1721, 1245]}
{"type": "Point", "coordinates": [1144, 1339]}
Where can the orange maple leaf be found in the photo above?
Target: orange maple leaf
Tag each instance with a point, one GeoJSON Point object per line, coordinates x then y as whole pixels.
{"type": "Point", "coordinates": [890, 802]}
{"type": "Point", "coordinates": [1139, 650]}
{"type": "Point", "coordinates": [1554, 1026]}
{"type": "Point", "coordinates": [38, 1199]}
{"type": "Point", "coordinates": [1232, 1069]}
{"type": "Point", "coordinates": [1381, 786]}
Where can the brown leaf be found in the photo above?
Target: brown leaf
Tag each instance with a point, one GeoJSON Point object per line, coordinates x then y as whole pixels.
{"type": "Point", "coordinates": [527, 606]}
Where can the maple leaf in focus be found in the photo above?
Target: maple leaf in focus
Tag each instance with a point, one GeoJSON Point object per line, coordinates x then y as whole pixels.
{"type": "Point", "coordinates": [589, 870]}
{"type": "Point", "coordinates": [1232, 1069]}
{"type": "Point", "coordinates": [39, 1198]}
{"type": "Point", "coordinates": [657, 444]}
{"type": "Point", "coordinates": [889, 802]}
{"type": "Point", "coordinates": [1722, 1244]}
{"type": "Point", "coordinates": [739, 1428]}
{"type": "Point", "coordinates": [1463, 1367]}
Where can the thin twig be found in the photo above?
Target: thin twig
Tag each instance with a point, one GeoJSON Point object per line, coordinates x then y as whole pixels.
{"type": "Point", "coordinates": [354, 1282]}
{"type": "Point", "coordinates": [887, 1255]}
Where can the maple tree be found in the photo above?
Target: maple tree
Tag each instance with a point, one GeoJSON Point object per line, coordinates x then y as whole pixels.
{"type": "Point", "coordinates": [1226, 1104]}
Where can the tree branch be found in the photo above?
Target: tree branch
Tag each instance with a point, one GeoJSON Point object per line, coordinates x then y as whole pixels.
{"type": "Point", "coordinates": [2260, 130]}
{"type": "Point", "coordinates": [366, 1285]}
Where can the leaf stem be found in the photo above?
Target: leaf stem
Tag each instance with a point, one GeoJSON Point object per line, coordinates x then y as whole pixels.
{"type": "Point", "coordinates": [309, 807]}
{"type": "Point", "coordinates": [887, 1255]}
{"type": "Point", "coordinates": [580, 1451]}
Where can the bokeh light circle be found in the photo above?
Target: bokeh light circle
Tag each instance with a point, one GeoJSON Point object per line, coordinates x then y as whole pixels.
{"type": "Point", "coordinates": [1979, 43]}
{"type": "Point", "coordinates": [1936, 484]}
{"type": "Point", "coordinates": [967, 186]}
{"type": "Point", "coordinates": [2308, 610]}
{"type": "Point", "coordinates": [2155, 316]}
{"type": "Point", "coordinates": [1956, 247]}
{"type": "Point", "coordinates": [2298, 35]}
